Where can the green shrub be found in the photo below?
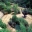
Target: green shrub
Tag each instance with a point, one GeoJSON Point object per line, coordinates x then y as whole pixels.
{"type": "Point", "coordinates": [22, 27]}
{"type": "Point", "coordinates": [7, 10]}
{"type": "Point", "coordinates": [16, 9]}
{"type": "Point", "coordinates": [20, 20]}
{"type": "Point", "coordinates": [30, 25]}
{"type": "Point", "coordinates": [4, 30]}
{"type": "Point", "coordinates": [15, 19]}
{"type": "Point", "coordinates": [2, 6]}
{"type": "Point", "coordinates": [24, 22]}
{"type": "Point", "coordinates": [12, 1]}
{"type": "Point", "coordinates": [7, 3]}
{"type": "Point", "coordinates": [29, 28]}
{"type": "Point", "coordinates": [17, 31]}
{"type": "Point", "coordinates": [30, 11]}
{"type": "Point", "coordinates": [3, 25]}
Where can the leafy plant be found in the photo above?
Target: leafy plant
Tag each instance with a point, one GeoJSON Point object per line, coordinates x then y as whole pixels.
{"type": "Point", "coordinates": [5, 30]}
{"type": "Point", "coordinates": [15, 19]}
{"type": "Point", "coordinates": [7, 3]}
{"type": "Point", "coordinates": [24, 22]}
{"type": "Point", "coordinates": [29, 28]}
{"type": "Point", "coordinates": [8, 11]}
{"type": "Point", "coordinates": [3, 25]}
{"type": "Point", "coordinates": [22, 27]}
{"type": "Point", "coordinates": [2, 6]}
{"type": "Point", "coordinates": [16, 9]}
{"type": "Point", "coordinates": [30, 11]}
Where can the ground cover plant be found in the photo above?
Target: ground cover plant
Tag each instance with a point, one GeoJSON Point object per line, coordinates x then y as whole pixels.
{"type": "Point", "coordinates": [5, 30]}
{"type": "Point", "coordinates": [3, 25]}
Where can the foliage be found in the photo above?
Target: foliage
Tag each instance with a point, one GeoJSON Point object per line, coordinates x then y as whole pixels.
{"type": "Point", "coordinates": [29, 28]}
{"type": "Point", "coordinates": [24, 22]}
{"type": "Point", "coordinates": [16, 9]}
{"type": "Point", "coordinates": [4, 30]}
{"type": "Point", "coordinates": [15, 19]}
{"type": "Point", "coordinates": [12, 1]}
{"type": "Point", "coordinates": [22, 27]}
{"type": "Point", "coordinates": [2, 6]}
{"type": "Point", "coordinates": [3, 25]}
{"type": "Point", "coordinates": [23, 3]}
{"type": "Point", "coordinates": [7, 3]}
{"type": "Point", "coordinates": [7, 10]}
{"type": "Point", "coordinates": [30, 11]}
{"type": "Point", "coordinates": [30, 25]}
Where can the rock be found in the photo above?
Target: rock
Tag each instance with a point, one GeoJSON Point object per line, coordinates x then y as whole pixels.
{"type": "Point", "coordinates": [1, 14]}
{"type": "Point", "coordinates": [0, 28]}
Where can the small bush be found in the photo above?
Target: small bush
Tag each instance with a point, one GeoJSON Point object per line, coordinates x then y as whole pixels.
{"type": "Point", "coordinates": [22, 27]}
{"type": "Point", "coordinates": [16, 9]}
{"type": "Point", "coordinates": [15, 19]}
{"type": "Point", "coordinates": [30, 25]}
{"type": "Point", "coordinates": [30, 11]}
{"type": "Point", "coordinates": [3, 25]}
{"type": "Point", "coordinates": [2, 6]}
{"type": "Point", "coordinates": [7, 3]}
{"type": "Point", "coordinates": [24, 22]}
{"type": "Point", "coordinates": [29, 28]}
{"type": "Point", "coordinates": [18, 31]}
{"type": "Point", "coordinates": [4, 30]}
{"type": "Point", "coordinates": [7, 10]}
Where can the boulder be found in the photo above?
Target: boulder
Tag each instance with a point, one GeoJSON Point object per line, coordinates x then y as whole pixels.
{"type": "Point", "coordinates": [1, 14]}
